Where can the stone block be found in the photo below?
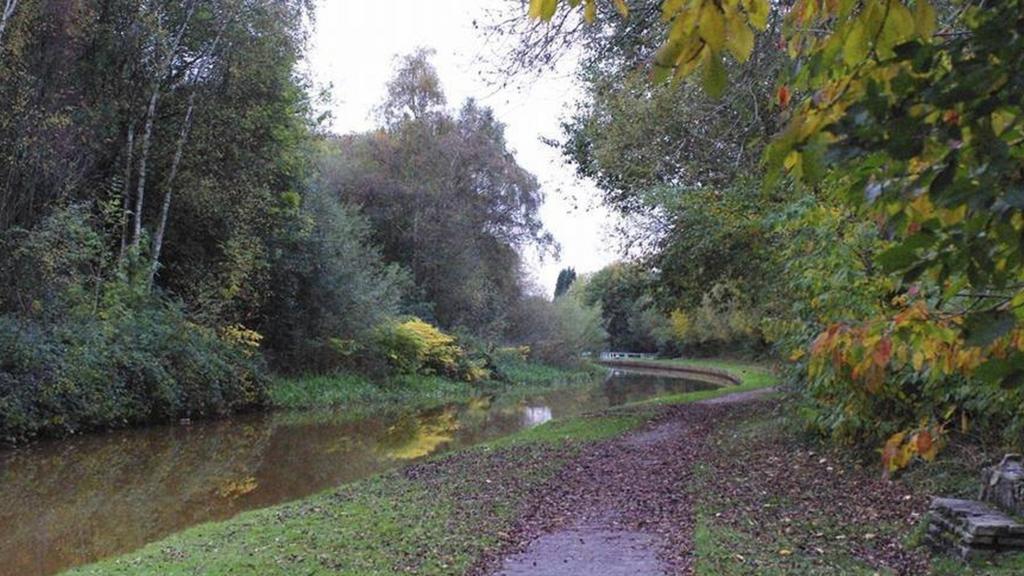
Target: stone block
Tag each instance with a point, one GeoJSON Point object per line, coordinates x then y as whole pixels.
{"type": "Point", "coordinates": [1003, 484]}
{"type": "Point", "coordinates": [970, 529]}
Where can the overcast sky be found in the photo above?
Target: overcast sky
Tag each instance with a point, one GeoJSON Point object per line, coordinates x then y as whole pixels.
{"type": "Point", "coordinates": [354, 50]}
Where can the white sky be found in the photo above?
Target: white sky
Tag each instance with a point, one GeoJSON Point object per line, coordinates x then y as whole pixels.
{"type": "Point", "coordinates": [354, 49]}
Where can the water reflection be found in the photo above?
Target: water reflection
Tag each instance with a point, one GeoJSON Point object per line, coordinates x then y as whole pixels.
{"type": "Point", "coordinates": [535, 415]}
{"type": "Point", "coordinates": [72, 502]}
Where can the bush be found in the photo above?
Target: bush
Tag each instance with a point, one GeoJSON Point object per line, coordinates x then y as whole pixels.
{"type": "Point", "coordinates": [85, 345]}
{"type": "Point", "coordinates": [148, 366]}
{"type": "Point", "coordinates": [558, 332]}
{"type": "Point", "coordinates": [724, 321]}
{"type": "Point", "coordinates": [417, 347]}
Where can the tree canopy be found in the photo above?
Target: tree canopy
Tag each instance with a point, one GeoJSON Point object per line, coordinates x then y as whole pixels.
{"type": "Point", "coordinates": [898, 134]}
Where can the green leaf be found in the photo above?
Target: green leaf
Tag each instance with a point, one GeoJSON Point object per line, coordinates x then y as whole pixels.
{"type": "Point", "coordinates": [905, 254]}
{"type": "Point", "coordinates": [924, 18]}
{"type": "Point", "coordinates": [856, 47]}
{"type": "Point", "coordinates": [543, 9]}
{"type": "Point", "coordinates": [983, 328]}
{"type": "Point", "coordinates": [897, 28]}
{"type": "Point", "coordinates": [757, 11]}
{"type": "Point", "coordinates": [712, 27]}
{"type": "Point", "coordinates": [715, 78]}
{"type": "Point", "coordinates": [621, 6]}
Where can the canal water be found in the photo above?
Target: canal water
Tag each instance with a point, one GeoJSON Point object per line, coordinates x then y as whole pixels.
{"type": "Point", "coordinates": [71, 502]}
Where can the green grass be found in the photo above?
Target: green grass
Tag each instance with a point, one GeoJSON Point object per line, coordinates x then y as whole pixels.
{"type": "Point", "coordinates": [522, 372]}
{"type": "Point", "coordinates": [1010, 565]}
{"type": "Point", "coordinates": [439, 523]}
{"type": "Point", "coordinates": [384, 525]}
{"type": "Point", "coordinates": [722, 551]}
{"type": "Point", "coordinates": [752, 377]}
{"type": "Point", "coordinates": [757, 541]}
{"type": "Point", "coordinates": [588, 428]}
{"type": "Point", "coordinates": [356, 391]}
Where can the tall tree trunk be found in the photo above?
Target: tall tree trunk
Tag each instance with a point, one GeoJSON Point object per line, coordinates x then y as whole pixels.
{"type": "Point", "coordinates": [158, 239]}
{"type": "Point", "coordinates": [147, 136]}
{"type": "Point", "coordinates": [5, 17]}
{"type": "Point", "coordinates": [126, 193]}
{"type": "Point", "coordinates": [147, 139]}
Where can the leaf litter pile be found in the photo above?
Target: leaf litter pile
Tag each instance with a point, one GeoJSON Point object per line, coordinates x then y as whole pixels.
{"type": "Point", "coordinates": [771, 503]}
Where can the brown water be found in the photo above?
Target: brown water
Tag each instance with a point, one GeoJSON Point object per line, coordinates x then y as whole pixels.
{"type": "Point", "coordinates": [71, 502]}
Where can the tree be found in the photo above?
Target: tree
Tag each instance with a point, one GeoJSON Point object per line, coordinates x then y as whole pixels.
{"type": "Point", "coordinates": [8, 13]}
{"type": "Point", "coordinates": [331, 287]}
{"type": "Point", "coordinates": [621, 291]}
{"type": "Point", "coordinates": [447, 200]}
{"type": "Point", "coordinates": [566, 277]}
{"type": "Point", "coordinates": [225, 135]}
{"type": "Point", "coordinates": [909, 119]}
{"type": "Point", "coordinates": [560, 331]}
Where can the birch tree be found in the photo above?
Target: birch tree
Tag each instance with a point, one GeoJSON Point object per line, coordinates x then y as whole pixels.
{"type": "Point", "coordinates": [163, 72]}
{"type": "Point", "coordinates": [5, 17]}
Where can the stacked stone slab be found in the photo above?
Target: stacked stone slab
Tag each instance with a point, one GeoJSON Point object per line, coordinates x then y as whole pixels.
{"type": "Point", "coordinates": [971, 528]}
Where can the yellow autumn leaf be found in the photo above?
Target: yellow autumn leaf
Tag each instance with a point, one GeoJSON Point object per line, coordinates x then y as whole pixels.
{"type": "Point", "coordinates": [543, 9]}
{"type": "Point", "coordinates": [953, 216]}
{"type": "Point", "coordinates": [757, 11]}
{"type": "Point", "coordinates": [856, 47]}
{"type": "Point", "coordinates": [739, 37]}
{"type": "Point", "coordinates": [621, 6]}
{"type": "Point", "coordinates": [712, 26]}
{"type": "Point", "coordinates": [924, 19]}
{"type": "Point", "coordinates": [670, 8]}
{"type": "Point", "coordinates": [1001, 120]}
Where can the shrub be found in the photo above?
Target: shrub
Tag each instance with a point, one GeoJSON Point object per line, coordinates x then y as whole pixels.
{"type": "Point", "coordinates": [150, 366]}
{"type": "Point", "coordinates": [417, 347]}
{"type": "Point", "coordinates": [83, 345]}
{"type": "Point", "coordinates": [558, 332]}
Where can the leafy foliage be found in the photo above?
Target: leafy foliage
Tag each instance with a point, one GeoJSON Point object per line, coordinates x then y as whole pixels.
{"type": "Point", "coordinates": [417, 347]}
{"type": "Point", "coordinates": [82, 347]}
{"type": "Point", "coordinates": [559, 332]}
{"type": "Point", "coordinates": [331, 287]}
{"type": "Point", "coordinates": [446, 200]}
{"type": "Point", "coordinates": [566, 277]}
{"type": "Point", "coordinates": [902, 136]}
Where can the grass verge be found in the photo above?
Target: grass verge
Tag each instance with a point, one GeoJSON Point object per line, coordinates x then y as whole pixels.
{"type": "Point", "coordinates": [752, 377]}
{"type": "Point", "coordinates": [432, 518]}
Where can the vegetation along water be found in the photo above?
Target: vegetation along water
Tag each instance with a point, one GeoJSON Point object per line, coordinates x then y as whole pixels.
{"type": "Point", "coordinates": [294, 287]}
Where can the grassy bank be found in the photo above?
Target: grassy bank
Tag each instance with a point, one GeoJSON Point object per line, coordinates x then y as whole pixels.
{"type": "Point", "coordinates": [436, 517]}
{"type": "Point", "coordinates": [752, 377]}
{"type": "Point", "coordinates": [766, 500]}
{"type": "Point", "coordinates": [359, 394]}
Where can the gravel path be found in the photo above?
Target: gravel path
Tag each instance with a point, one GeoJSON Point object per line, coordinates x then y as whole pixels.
{"type": "Point", "coordinates": [621, 507]}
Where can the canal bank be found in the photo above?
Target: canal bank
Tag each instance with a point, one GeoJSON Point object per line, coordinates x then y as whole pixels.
{"type": "Point", "coordinates": [105, 494]}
